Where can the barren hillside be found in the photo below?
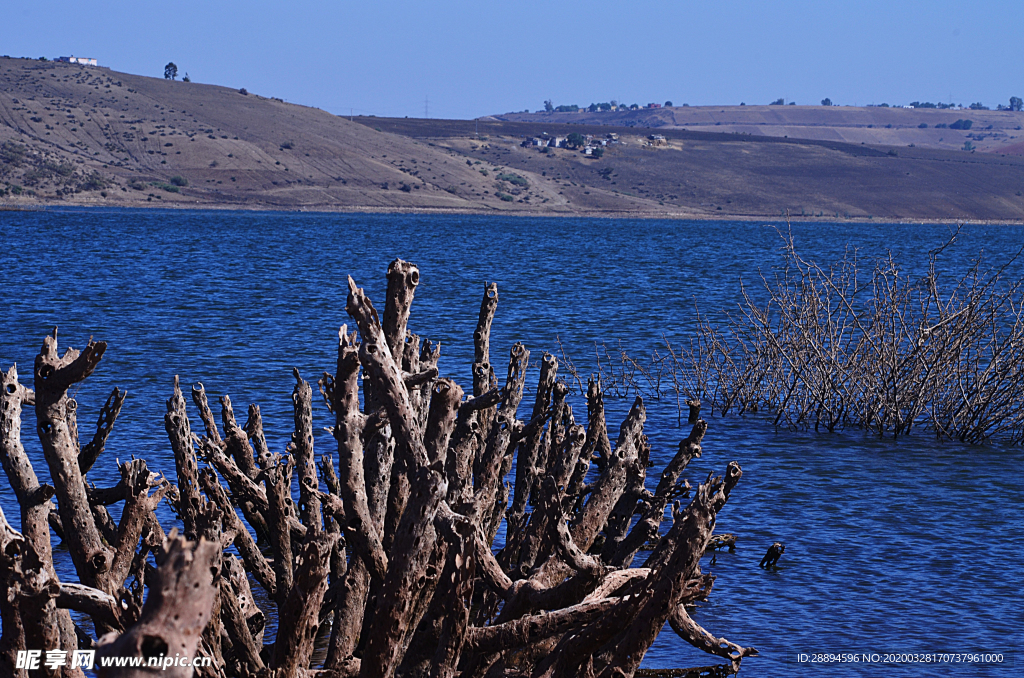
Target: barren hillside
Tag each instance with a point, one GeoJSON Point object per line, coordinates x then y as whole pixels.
{"type": "Point", "coordinates": [79, 135]}
{"type": "Point", "coordinates": [89, 135]}
{"type": "Point", "coordinates": [720, 175]}
{"type": "Point", "coordinates": [990, 131]}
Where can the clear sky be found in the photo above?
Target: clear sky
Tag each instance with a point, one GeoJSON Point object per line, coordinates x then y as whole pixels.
{"type": "Point", "coordinates": [463, 59]}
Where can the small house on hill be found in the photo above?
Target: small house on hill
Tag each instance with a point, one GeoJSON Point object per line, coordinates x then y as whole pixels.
{"type": "Point", "coordinates": [77, 60]}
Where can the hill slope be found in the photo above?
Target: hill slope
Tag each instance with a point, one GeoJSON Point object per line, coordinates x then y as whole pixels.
{"type": "Point", "coordinates": [72, 134]}
{"type": "Point", "coordinates": [990, 131]}
{"type": "Point", "coordinates": [722, 175]}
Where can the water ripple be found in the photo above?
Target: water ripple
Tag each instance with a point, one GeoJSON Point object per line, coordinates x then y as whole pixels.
{"type": "Point", "coordinates": [909, 547]}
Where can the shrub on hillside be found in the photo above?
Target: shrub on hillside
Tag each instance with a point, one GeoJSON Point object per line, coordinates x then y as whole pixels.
{"type": "Point", "coordinates": [961, 124]}
{"type": "Point", "coordinates": [12, 154]}
{"type": "Point", "coordinates": [179, 180]}
{"type": "Point", "coordinates": [514, 179]}
{"type": "Point", "coordinates": [92, 182]}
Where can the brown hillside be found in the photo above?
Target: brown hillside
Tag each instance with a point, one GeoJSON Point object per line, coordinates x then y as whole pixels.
{"type": "Point", "coordinates": [747, 176]}
{"type": "Point", "coordinates": [991, 131]}
{"type": "Point", "coordinates": [72, 134]}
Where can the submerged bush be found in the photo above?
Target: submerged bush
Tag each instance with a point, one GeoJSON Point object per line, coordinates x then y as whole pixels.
{"type": "Point", "coordinates": [859, 344]}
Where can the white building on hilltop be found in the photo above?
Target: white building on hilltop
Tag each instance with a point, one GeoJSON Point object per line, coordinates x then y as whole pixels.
{"type": "Point", "coordinates": [77, 60]}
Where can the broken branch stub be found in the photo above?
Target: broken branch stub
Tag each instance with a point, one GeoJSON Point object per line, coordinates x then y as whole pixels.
{"type": "Point", "coordinates": [54, 374]}
{"type": "Point", "coordinates": [176, 611]}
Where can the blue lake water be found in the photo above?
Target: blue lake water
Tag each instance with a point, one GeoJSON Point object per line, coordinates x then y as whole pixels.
{"type": "Point", "coordinates": [906, 546]}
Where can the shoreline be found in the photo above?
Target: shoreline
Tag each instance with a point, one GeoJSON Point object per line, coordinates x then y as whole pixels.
{"type": "Point", "coordinates": [595, 214]}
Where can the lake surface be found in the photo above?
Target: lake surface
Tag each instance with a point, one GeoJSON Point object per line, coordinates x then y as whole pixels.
{"type": "Point", "coordinates": [906, 546]}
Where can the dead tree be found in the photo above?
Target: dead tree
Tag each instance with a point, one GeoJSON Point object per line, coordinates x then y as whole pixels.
{"type": "Point", "coordinates": [393, 547]}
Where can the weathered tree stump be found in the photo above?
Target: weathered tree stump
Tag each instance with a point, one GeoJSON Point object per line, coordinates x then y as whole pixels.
{"type": "Point", "coordinates": [395, 549]}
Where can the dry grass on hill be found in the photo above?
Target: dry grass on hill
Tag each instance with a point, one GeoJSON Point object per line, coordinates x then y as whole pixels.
{"type": "Point", "coordinates": [728, 175]}
{"type": "Point", "coordinates": [990, 131]}
{"type": "Point", "coordinates": [72, 134]}
{"type": "Point", "coordinates": [137, 133]}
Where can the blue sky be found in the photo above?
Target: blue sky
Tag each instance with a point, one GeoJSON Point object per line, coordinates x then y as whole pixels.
{"type": "Point", "coordinates": [464, 59]}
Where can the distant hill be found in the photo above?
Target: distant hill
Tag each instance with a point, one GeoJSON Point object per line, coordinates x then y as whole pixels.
{"type": "Point", "coordinates": [990, 131]}
{"type": "Point", "coordinates": [71, 133]}
{"type": "Point", "coordinates": [721, 175]}
{"type": "Point", "coordinates": [79, 135]}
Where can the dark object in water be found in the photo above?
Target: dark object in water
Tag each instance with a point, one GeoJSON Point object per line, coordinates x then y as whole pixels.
{"type": "Point", "coordinates": [775, 552]}
{"type": "Point", "coordinates": [694, 405]}
{"type": "Point", "coordinates": [722, 541]}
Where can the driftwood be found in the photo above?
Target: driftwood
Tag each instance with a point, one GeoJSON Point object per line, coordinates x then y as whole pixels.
{"type": "Point", "coordinates": [393, 547]}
